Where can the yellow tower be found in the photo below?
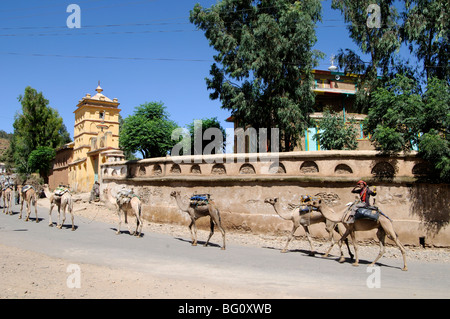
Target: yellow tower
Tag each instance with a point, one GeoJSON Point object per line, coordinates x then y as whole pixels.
{"type": "Point", "coordinates": [96, 134]}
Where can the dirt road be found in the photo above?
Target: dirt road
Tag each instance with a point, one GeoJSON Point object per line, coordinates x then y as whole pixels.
{"type": "Point", "coordinates": [37, 261]}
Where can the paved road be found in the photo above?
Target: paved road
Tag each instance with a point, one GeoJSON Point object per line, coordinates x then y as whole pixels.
{"type": "Point", "coordinates": [293, 273]}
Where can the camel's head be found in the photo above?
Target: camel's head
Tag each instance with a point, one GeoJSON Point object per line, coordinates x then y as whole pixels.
{"type": "Point", "coordinates": [315, 203]}
{"type": "Point", "coordinates": [175, 193]}
{"type": "Point", "coordinates": [271, 201]}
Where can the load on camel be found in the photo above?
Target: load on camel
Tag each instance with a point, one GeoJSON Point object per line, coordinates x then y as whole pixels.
{"type": "Point", "coordinates": [62, 198]}
{"type": "Point", "coordinates": [200, 206]}
{"type": "Point", "coordinates": [367, 220]}
{"type": "Point", "coordinates": [127, 202]}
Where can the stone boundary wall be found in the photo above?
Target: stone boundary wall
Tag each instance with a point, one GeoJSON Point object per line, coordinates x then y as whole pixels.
{"type": "Point", "coordinates": [239, 184]}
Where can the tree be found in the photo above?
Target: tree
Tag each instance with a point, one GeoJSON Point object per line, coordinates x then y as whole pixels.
{"type": "Point", "coordinates": [41, 160]}
{"type": "Point", "coordinates": [38, 125]}
{"type": "Point", "coordinates": [335, 133]}
{"type": "Point", "coordinates": [426, 31]}
{"type": "Point", "coordinates": [380, 42]}
{"type": "Point", "coordinates": [148, 131]}
{"type": "Point", "coordinates": [263, 67]}
{"type": "Point", "coordinates": [198, 132]}
{"type": "Point", "coordinates": [403, 117]}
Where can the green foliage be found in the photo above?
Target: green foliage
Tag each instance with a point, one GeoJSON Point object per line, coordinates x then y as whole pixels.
{"type": "Point", "coordinates": [393, 120]}
{"type": "Point", "coordinates": [335, 133]}
{"type": "Point", "coordinates": [402, 116]}
{"type": "Point", "coordinates": [379, 43]}
{"type": "Point", "coordinates": [148, 131]}
{"type": "Point", "coordinates": [264, 61]}
{"type": "Point", "coordinates": [41, 160]}
{"type": "Point", "coordinates": [38, 125]}
{"type": "Point", "coordinates": [426, 31]}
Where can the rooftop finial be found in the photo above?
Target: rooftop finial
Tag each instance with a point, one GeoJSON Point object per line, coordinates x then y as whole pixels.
{"type": "Point", "coordinates": [332, 67]}
{"type": "Point", "coordinates": [99, 89]}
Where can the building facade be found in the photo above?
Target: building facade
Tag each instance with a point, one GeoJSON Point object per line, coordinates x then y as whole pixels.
{"type": "Point", "coordinates": [96, 138]}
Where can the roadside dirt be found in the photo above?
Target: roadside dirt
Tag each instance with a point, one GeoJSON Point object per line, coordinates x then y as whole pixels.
{"type": "Point", "coordinates": [18, 268]}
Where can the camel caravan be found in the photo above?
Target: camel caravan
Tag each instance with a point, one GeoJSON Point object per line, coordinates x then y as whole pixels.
{"type": "Point", "coordinates": [354, 217]}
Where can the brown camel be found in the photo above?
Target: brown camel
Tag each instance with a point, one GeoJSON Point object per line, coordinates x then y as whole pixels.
{"type": "Point", "coordinates": [27, 194]}
{"type": "Point", "coordinates": [383, 225]}
{"type": "Point", "coordinates": [130, 206]}
{"type": "Point", "coordinates": [63, 202]}
{"type": "Point", "coordinates": [196, 212]}
{"type": "Point", "coordinates": [7, 199]}
{"type": "Point", "coordinates": [305, 220]}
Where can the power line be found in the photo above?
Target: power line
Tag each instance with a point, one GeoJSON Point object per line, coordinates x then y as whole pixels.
{"type": "Point", "coordinates": [105, 57]}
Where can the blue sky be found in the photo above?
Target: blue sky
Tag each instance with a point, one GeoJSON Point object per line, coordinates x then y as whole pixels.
{"type": "Point", "coordinates": [166, 59]}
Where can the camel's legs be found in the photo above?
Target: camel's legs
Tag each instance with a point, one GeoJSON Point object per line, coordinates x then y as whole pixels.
{"type": "Point", "coordinates": [21, 208]}
{"type": "Point", "coordinates": [355, 245]}
{"type": "Point", "coordinates": [50, 223]}
{"type": "Point", "coordinates": [139, 223]}
{"type": "Point", "coordinates": [35, 210]}
{"type": "Point", "coordinates": [291, 235]}
{"type": "Point", "coordinates": [58, 225]}
{"type": "Point", "coordinates": [63, 217]}
{"type": "Point", "coordinates": [193, 229]}
{"type": "Point", "coordinates": [120, 221]}
{"type": "Point", "coordinates": [28, 205]}
{"type": "Point", "coordinates": [344, 237]}
{"type": "Point", "coordinates": [71, 215]}
{"type": "Point", "coordinates": [223, 234]}
{"type": "Point", "coordinates": [138, 230]}
{"type": "Point", "coordinates": [308, 235]}
{"type": "Point", "coordinates": [211, 232]}
{"type": "Point", "coordinates": [381, 237]}
{"type": "Point", "coordinates": [394, 237]}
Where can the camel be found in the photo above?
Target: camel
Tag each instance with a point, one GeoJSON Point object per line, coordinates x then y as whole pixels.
{"type": "Point", "coordinates": [132, 206]}
{"type": "Point", "coordinates": [30, 197]}
{"type": "Point", "coordinates": [63, 202]}
{"type": "Point", "coordinates": [7, 193]}
{"type": "Point", "coordinates": [305, 220]}
{"type": "Point", "coordinates": [195, 213]}
{"type": "Point", "coordinates": [383, 225]}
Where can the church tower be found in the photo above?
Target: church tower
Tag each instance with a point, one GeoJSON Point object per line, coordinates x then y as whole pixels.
{"type": "Point", "coordinates": [96, 134]}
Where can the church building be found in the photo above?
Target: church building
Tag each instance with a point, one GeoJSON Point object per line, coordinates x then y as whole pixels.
{"type": "Point", "coordinates": [96, 138]}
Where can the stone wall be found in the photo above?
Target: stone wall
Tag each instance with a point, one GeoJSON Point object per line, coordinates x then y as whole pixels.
{"type": "Point", "coordinates": [239, 183]}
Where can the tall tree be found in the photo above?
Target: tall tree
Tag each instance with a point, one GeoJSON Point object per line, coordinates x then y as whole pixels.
{"type": "Point", "coordinates": [263, 67]}
{"type": "Point", "coordinates": [336, 133]}
{"type": "Point", "coordinates": [403, 117]}
{"type": "Point", "coordinates": [426, 25]}
{"type": "Point", "coordinates": [148, 131]}
{"type": "Point", "coordinates": [197, 131]}
{"type": "Point", "coordinates": [37, 125]}
{"type": "Point", "coordinates": [377, 35]}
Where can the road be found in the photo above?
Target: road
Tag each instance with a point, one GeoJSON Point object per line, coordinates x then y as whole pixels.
{"type": "Point", "coordinates": [263, 270]}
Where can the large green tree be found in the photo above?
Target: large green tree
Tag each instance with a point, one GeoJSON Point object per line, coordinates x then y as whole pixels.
{"type": "Point", "coordinates": [426, 25]}
{"type": "Point", "coordinates": [148, 131]}
{"type": "Point", "coordinates": [377, 35]}
{"type": "Point", "coordinates": [37, 125]}
{"type": "Point", "coordinates": [41, 159]}
{"type": "Point", "coordinates": [403, 118]}
{"type": "Point", "coordinates": [336, 132]}
{"type": "Point", "coordinates": [263, 66]}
